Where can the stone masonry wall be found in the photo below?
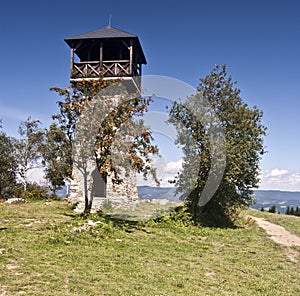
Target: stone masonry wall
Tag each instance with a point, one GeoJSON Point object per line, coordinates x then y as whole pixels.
{"type": "Point", "coordinates": [86, 178]}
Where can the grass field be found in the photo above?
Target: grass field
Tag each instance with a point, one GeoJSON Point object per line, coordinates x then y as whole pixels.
{"type": "Point", "coordinates": [45, 249]}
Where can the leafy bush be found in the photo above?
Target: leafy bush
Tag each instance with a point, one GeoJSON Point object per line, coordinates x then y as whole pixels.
{"type": "Point", "coordinates": [35, 192]}
{"type": "Point", "coordinates": [180, 215]}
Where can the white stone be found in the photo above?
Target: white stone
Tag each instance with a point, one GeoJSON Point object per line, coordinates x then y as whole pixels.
{"type": "Point", "coordinates": [15, 200]}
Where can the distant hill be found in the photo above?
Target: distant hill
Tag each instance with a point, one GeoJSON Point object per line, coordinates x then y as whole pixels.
{"type": "Point", "coordinates": [148, 192]}
{"type": "Point", "coordinates": [281, 199]}
{"type": "Point", "coordinates": [264, 198]}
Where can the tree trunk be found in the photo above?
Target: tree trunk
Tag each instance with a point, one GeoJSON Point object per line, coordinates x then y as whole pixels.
{"type": "Point", "coordinates": [197, 213]}
{"type": "Point", "coordinates": [87, 201]}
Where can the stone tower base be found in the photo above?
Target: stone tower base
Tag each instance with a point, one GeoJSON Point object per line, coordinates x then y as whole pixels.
{"type": "Point", "coordinates": [122, 196]}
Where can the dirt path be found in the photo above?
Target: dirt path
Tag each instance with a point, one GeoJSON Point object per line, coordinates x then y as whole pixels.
{"type": "Point", "coordinates": [280, 236]}
{"type": "Point", "coordinates": [278, 233]}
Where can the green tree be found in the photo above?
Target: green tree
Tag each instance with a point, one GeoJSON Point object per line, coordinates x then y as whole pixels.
{"type": "Point", "coordinates": [8, 165]}
{"type": "Point", "coordinates": [288, 211]}
{"type": "Point", "coordinates": [272, 209]}
{"type": "Point", "coordinates": [243, 130]}
{"type": "Point", "coordinates": [262, 209]}
{"type": "Point", "coordinates": [57, 156]}
{"type": "Point", "coordinates": [28, 148]}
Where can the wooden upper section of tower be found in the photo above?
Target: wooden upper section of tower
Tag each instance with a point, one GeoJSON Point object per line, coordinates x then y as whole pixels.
{"type": "Point", "coordinates": [107, 53]}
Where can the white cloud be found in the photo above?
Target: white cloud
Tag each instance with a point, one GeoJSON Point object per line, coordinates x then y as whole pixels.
{"type": "Point", "coordinates": [274, 179]}
{"type": "Point", "coordinates": [173, 167]}
{"type": "Point", "coordinates": [277, 179]}
{"type": "Point", "coordinates": [277, 173]}
{"type": "Point", "coordinates": [165, 172]}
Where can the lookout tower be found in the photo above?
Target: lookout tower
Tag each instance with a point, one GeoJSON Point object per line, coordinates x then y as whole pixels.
{"type": "Point", "coordinates": [107, 53]}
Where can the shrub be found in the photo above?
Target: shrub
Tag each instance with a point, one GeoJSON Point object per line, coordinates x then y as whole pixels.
{"type": "Point", "coordinates": [35, 192]}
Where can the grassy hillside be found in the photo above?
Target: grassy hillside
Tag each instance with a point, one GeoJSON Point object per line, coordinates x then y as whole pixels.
{"type": "Point", "coordinates": [46, 250]}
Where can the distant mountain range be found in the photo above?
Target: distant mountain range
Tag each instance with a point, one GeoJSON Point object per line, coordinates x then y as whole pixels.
{"type": "Point", "coordinates": [148, 192]}
{"type": "Point", "coordinates": [263, 198]}
{"type": "Point", "coordinates": [281, 199]}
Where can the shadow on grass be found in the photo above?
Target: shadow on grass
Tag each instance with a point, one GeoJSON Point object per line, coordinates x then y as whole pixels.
{"type": "Point", "coordinates": [214, 217]}
{"type": "Point", "coordinates": [73, 215]}
{"type": "Point", "coordinates": [130, 222]}
{"type": "Point", "coordinates": [123, 222]}
{"type": "Point", "coordinates": [216, 221]}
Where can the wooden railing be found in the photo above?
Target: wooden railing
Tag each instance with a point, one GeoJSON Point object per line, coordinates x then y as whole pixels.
{"type": "Point", "coordinates": [82, 70]}
{"type": "Point", "coordinates": [116, 68]}
{"type": "Point", "coordinates": [106, 69]}
{"type": "Point", "coordinates": [94, 69]}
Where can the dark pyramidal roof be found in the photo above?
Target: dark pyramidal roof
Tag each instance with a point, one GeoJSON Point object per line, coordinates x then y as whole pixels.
{"type": "Point", "coordinates": [107, 32]}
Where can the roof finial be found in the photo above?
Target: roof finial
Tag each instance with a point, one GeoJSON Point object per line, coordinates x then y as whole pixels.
{"type": "Point", "coordinates": [109, 21]}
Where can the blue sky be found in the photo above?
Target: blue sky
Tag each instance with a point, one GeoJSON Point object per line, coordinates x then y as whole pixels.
{"type": "Point", "coordinates": [258, 40]}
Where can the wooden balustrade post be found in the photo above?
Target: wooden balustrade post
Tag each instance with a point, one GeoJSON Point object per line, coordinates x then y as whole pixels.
{"type": "Point", "coordinates": [130, 57]}
{"type": "Point", "coordinates": [101, 56]}
{"type": "Point", "coordinates": [72, 60]}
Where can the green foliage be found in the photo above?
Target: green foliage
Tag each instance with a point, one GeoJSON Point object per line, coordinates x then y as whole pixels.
{"type": "Point", "coordinates": [35, 192]}
{"type": "Point", "coordinates": [74, 99]}
{"type": "Point", "coordinates": [8, 166]}
{"type": "Point", "coordinates": [179, 216]}
{"type": "Point", "coordinates": [141, 147]}
{"type": "Point", "coordinates": [292, 211]}
{"type": "Point", "coordinates": [57, 156]}
{"type": "Point", "coordinates": [272, 209]}
{"type": "Point", "coordinates": [28, 148]}
{"type": "Point", "coordinates": [243, 131]}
